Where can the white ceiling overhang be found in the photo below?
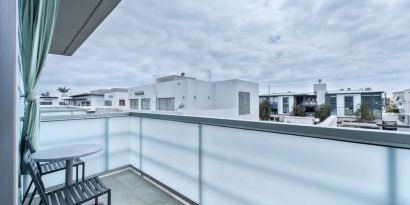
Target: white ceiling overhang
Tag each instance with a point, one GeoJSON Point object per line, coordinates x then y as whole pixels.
{"type": "Point", "coordinates": [76, 21]}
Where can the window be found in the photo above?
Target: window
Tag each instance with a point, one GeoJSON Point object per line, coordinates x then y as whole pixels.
{"type": "Point", "coordinates": [121, 102]}
{"type": "Point", "coordinates": [349, 111]}
{"type": "Point", "coordinates": [244, 103]}
{"type": "Point", "coordinates": [273, 102]}
{"type": "Point", "coordinates": [333, 104]}
{"type": "Point", "coordinates": [285, 104]}
{"type": "Point", "coordinates": [374, 101]}
{"type": "Point", "coordinates": [167, 104]}
{"type": "Point", "coordinates": [46, 103]}
{"type": "Point", "coordinates": [85, 103]}
{"type": "Point", "coordinates": [145, 104]}
{"type": "Point", "coordinates": [134, 104]}
{"type": "Point", "coordinates": [263, 98]}
{"type": "Point", "coordinates": [108, 103]}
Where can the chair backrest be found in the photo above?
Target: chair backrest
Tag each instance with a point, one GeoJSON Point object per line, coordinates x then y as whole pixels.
{"type": "Point", "coordinates": [35, 176]}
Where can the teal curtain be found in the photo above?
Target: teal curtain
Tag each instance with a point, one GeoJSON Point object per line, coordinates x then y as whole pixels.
{"type": "Point", "coordinates": [36, 26]}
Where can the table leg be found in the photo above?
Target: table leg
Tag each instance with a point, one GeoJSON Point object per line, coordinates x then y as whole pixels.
{"type": "Point", "coordinates": [68, 172]}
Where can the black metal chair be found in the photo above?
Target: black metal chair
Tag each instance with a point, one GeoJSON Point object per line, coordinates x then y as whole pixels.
{"type": "Point", "coordinates": [77, 193]}
{"type": "Point", "coordinates": [51, 167]}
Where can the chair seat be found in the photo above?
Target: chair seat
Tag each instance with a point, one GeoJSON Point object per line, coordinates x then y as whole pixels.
{"type": "Point", "coordinates": [50, 167]}
{"type": "Point", "coordinates": [78, 193]}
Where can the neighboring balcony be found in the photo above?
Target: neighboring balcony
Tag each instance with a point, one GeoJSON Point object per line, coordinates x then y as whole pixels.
{"type": "Point", "coordinates": [308, 104]}
{"type": "Point", "coordinates": [219, 161]}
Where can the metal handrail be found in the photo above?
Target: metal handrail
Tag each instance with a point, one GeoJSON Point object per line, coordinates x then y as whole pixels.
{"type": "Point", "coordinates": [383, 138]}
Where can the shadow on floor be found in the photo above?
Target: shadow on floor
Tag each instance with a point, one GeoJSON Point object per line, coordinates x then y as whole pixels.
{"type": "Point", "coordinates": [129, 188]}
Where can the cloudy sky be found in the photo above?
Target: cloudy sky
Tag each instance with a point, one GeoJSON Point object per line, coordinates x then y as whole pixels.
{"type": "Point", "coordinates": [287, 44]}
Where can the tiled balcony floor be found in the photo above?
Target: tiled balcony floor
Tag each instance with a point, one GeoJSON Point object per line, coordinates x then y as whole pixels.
{"type": "Point", "coordinates": [128, 188]}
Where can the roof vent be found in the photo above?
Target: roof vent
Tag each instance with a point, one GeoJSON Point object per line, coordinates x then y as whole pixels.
{"type": "Point", "coordinates": [341, 89]}
{"type": "Point", "coordinates": [349, 89]}
{"type": "Point", "coordinates": [367, 89]}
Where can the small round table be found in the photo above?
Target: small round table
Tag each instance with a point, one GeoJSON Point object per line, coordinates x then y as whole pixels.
{"type": "Point", "coordinates": [67, 153]}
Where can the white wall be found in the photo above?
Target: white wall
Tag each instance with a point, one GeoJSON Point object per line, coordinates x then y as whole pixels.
{"type": "Point", "coordinates": [202, 96]}
{"type": "Point", "coordinates": [331, 121]}
{"type": "Point", "coordinates": [406, 103]}
{"type": "Point", "coordinates": [173, 89]}
{"type": "Point", "coordinates": [149, 92]}
{"type": "Point", "coordinates": [299, 120]}
{"type": "Point", "coordinates": [226, 97]}
{"type": "Point", "coordinates": [253, 88]}
{"type": "Point", "coordinates": [96, 100]}
{"type": "Point", "coordinates": [398, 99]}
{"type": "Point", "coordinates": [320, 90]}
{"type": "Point", "coordinates": [115, 98]}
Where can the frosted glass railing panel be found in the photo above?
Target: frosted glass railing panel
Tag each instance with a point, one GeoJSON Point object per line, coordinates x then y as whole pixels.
{"type": "Point", "coordinates": [401, 158]}
{"type": "Point", "coordinates": [67, 132]}
{"type": "Point", "coordinates": [251, 167]}
{"type": "Point", "coordinates": [170, 154]}
{"type": "Point", "coordinates": [238, 166]}
{"type": "Point", "coordinates": [118, 141]}
{"type": "Point", "coordinates": [135, 142]}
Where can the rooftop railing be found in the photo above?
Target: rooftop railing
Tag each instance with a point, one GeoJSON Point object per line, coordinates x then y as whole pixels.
{"type": "Point", "coordinates": [221, 161]}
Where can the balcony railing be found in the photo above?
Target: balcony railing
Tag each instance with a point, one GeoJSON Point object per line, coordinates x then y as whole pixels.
{"type": "Point", "coordinates": [220, 161]}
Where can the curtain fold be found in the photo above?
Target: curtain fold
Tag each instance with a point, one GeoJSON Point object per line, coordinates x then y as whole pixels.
{"type": "Point", "coordinates": [36, 26]}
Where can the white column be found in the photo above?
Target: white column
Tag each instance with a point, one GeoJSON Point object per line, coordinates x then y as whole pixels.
{"type": "Point", "coordinates": [8, 102]}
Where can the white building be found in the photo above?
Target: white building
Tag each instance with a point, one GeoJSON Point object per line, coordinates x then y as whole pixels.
{"type": "Point", "coordinates": [93, 98]}
{"type": "Point", "coordinates": [117, 97]}
{"type": "Point", "coordinates": [343, 102]}
{"type": "Point", "coordinates": [402, 100]}
{"type": "Point", "coordinates": [49, 101]}
{"type": "Point", "coordinates": [236, 99]}
{"type": "Point", "coordinates": [85, 99]}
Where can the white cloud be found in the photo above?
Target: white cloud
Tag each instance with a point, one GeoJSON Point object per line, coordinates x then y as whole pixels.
{"type": "Point", "coordinates": [286, 43]}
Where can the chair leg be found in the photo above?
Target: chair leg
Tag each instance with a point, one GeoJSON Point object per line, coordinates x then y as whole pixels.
{"type": "Point", "coordinates": [32, 196]}
{"type": "Point", "coordinates": [96, 201]}
{"type": "Point", "coordinates": [28, 189]}
{"type": "Point", "coordinates": [83, 170]}
{"type": "Point", "coordinates": [76, 173]}
{"type": "Point", "coordinates": [109, 197]}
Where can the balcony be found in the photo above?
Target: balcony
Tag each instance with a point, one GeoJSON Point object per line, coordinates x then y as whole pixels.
{"type": "Point", "coordinates": [220, 161]}
{"type": "Point", "coordinates": [308, 104]}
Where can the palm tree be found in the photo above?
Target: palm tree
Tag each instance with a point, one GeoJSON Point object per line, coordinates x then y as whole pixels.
{"type": "Point", "coordinates": [46, 94]}
{"type": "Point", "coordinates": [63, 90]}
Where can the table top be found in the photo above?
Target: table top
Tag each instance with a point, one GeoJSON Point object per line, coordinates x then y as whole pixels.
{"type": "Point", "coordinates": [66, 152]}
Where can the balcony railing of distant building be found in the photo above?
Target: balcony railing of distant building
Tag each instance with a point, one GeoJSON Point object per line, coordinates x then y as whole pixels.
{"type": "Point", "coordinates": [222, 161]}
{"type": "Point", "coordinates": [308, 104]}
